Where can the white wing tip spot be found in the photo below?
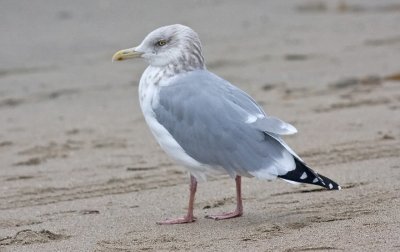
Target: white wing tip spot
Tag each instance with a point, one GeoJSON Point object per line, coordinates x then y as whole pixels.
{"type": "Point", "coordinates": [291, 129]}
{"type": "Point", "coordinates": [315, 180]}
{"type": "Point", "coordinates": [330, 186]}
{"type": "Point", "coordinates": [304, 175]}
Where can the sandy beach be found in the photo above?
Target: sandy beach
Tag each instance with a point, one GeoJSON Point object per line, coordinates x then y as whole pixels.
{"type": "Point", "coordinates": [80, 170]}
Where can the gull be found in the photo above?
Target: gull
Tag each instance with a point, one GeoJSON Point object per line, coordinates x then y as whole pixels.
{"type": "Point", "coordinates": [207, 124]}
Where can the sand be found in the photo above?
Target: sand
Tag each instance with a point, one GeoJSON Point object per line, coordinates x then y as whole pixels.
{"type": "Point", "coordinates": [80, 171]}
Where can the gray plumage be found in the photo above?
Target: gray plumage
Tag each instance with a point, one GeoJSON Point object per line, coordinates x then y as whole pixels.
{"type": "Point", "coordinates": [207, 116]}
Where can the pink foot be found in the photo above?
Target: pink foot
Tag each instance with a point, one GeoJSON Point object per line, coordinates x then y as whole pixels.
{"type": "Point", "coordinates": [182, 220]}
{"type": "Point", "coordinates": [224, 216]}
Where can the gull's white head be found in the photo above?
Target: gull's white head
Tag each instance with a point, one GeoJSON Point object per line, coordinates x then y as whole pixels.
{"type": "Point", "coordinates": [175, 45]}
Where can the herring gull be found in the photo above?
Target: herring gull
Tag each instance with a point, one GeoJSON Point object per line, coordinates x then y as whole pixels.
{"type": "Point", "coordinates": [207, 124]}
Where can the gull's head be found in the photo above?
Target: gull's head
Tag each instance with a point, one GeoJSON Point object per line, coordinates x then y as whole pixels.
{"type": "Point", "coordinates": [176, 45]}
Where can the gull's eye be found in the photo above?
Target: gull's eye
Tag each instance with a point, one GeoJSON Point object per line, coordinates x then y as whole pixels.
{"type": "Point", "coordinates": [161, 42]}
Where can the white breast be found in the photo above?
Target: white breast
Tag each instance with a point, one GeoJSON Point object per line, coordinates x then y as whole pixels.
{"type": "Point", "coordinates": [149, 98]}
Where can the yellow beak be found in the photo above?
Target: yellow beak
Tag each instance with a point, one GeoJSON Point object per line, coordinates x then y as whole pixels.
{"type": "Point", "coordinates": [126, 54]}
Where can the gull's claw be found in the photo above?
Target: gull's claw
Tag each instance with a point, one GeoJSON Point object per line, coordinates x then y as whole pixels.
{"type": "Point", "coordinates": [224, 216]}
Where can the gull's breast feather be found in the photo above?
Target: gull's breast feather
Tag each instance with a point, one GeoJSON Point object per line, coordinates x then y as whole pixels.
{"type": "Point", "coordinates": [148, 97]}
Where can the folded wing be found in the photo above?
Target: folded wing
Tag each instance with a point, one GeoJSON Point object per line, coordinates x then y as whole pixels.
{"type": "Point", "coordinates": [209, 118]}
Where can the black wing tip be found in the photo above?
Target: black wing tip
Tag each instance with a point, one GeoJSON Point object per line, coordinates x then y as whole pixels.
{"type": "Point", "coordinates": [304, 174]}
{"type": "Point", "coordinates": [329, 184]}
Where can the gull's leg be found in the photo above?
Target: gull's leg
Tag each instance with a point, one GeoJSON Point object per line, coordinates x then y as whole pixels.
{"type": "Point", "coordinates": [189, 217]}
{"type": "Point", "coordinates": [239, 206]}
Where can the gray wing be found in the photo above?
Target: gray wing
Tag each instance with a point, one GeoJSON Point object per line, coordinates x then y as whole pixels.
{"type": "Point", "coordinates": [209, 118]}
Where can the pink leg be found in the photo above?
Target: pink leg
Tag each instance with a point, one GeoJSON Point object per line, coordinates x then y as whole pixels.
{"type": "Point", "coordinates": [239, 206]}
{"type": "Point", "coordinates": [189, 217]}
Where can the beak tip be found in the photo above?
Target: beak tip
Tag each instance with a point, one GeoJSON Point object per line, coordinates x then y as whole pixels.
{"type": "Point", "coordinates": [125, 54]}
{"type": "Point", "coordinates": [115, 59]}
